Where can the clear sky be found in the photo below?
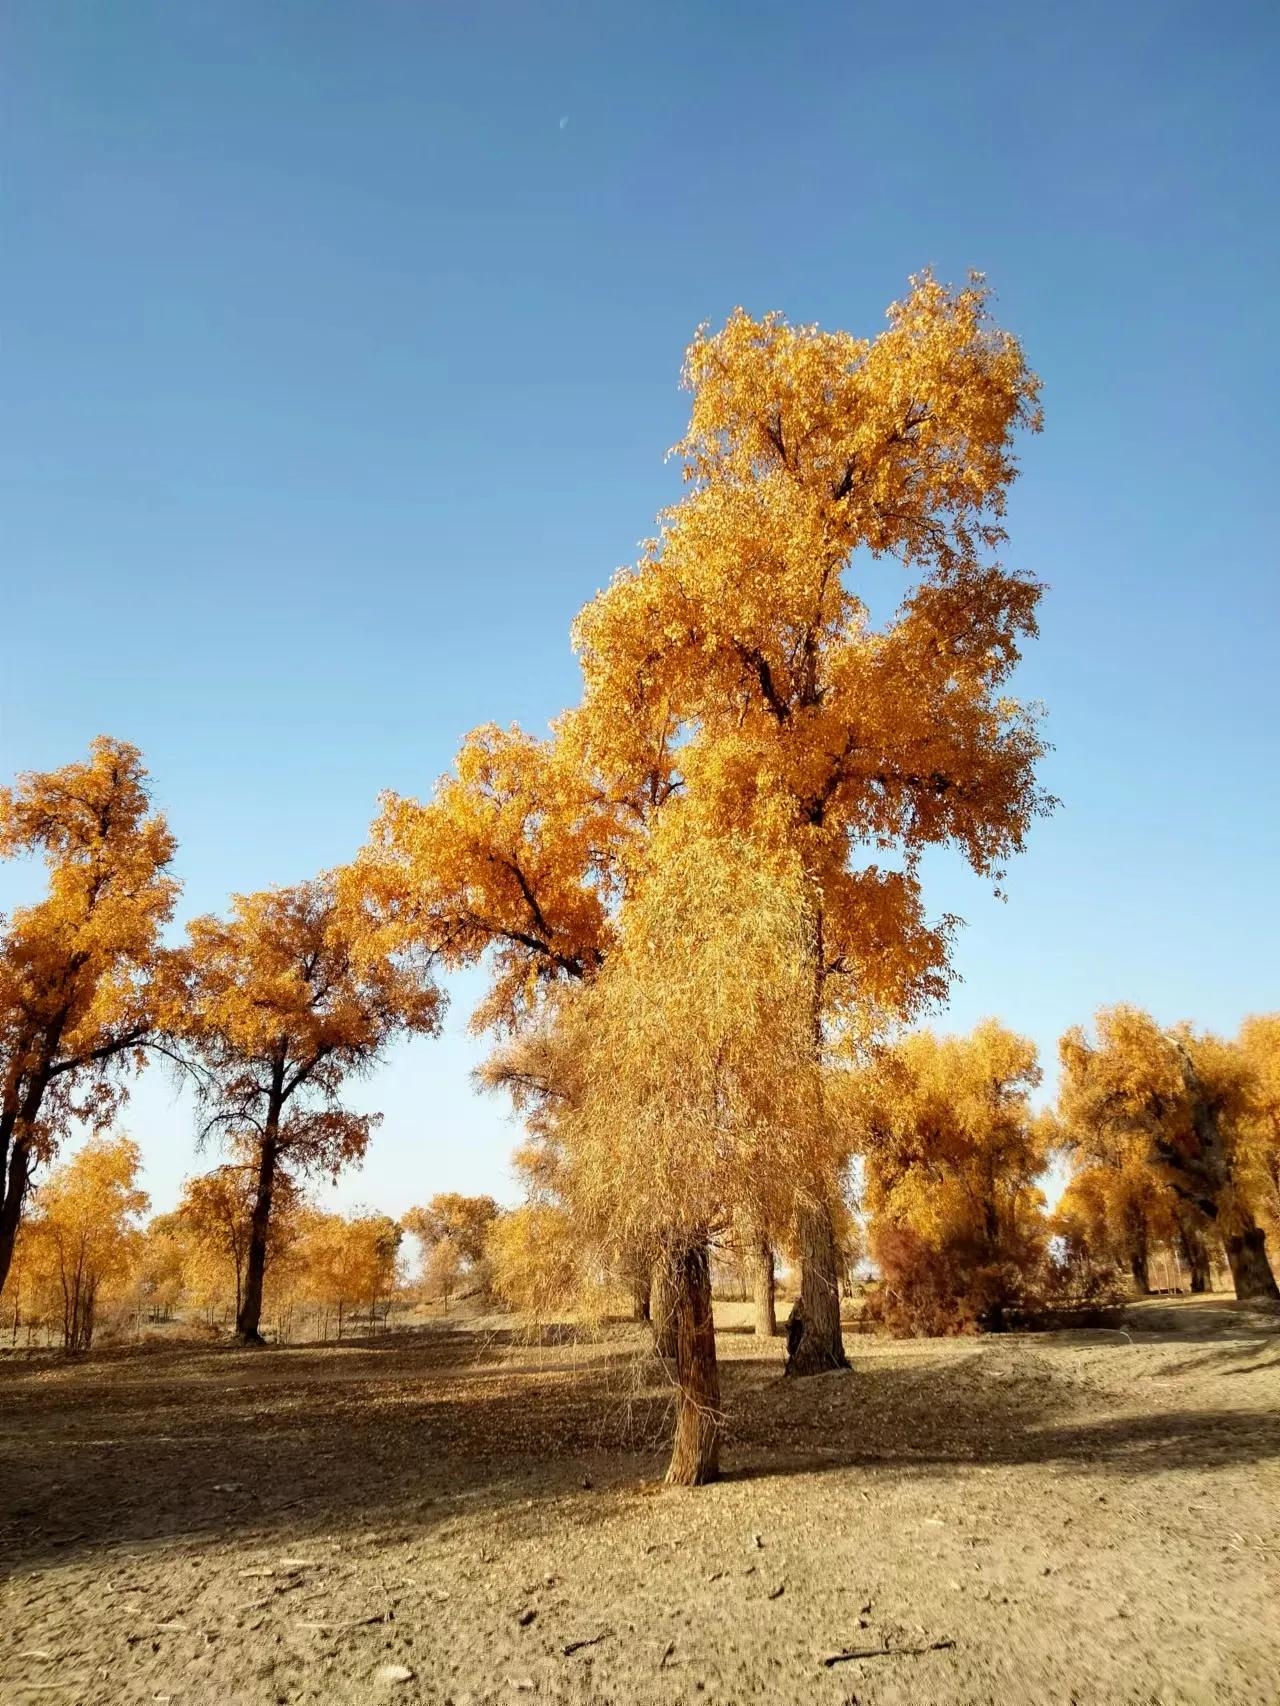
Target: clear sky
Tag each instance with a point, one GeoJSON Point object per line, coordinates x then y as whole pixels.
{"type": "Point", "coordinates": [340, 354]}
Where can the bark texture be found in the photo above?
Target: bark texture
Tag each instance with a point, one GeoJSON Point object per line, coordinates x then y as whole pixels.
{"type": "Point", "coordinates": [815, 1344]}
{"type": "Point", "coordinates": [664, 1306]}
{"type": "Point", "coordinates": [13, 1191]}
{"type": "Point", "coordinates": [249, 1319]}
{"type": "Point", "coordinates": [763, 1289]}
{"type": "Point", "coordinates": [1250, 1269]}
{"type": "Point", "coordinates": [695, 1451]}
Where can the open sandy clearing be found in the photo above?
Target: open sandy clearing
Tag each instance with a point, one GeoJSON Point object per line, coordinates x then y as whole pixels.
{"type": "Point", "coordinates": [1072, 1517]}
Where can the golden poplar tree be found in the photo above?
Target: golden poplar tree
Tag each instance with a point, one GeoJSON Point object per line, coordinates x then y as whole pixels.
{"type": "Point", "coordinates": [76, 1004]}
{"type": "Point", "coordinates": [279, 1005]}
{"type": "Point", "coordinates": [1184, 1100]}
{"type": "Point", "coordinates": [1119, 1214]}
{"type": "Point", "coordinates": [215, 1212]}
{"type": "Point", "coordinates": [345, 1260]}
{"type": "Point", "coordinates": [84, 1234]}
{"type": "Point", "coordinates": [1260, 1147]}
{"type": "Point", "coordinates": [449, 1214]}
{"type": "Point", "coordinates": [953, 1154]}
{"type": "Point", "coordinates": [739, 663]}
{"type": "Point", "coordinates": [808, 726]}
{"type": "Point", "coordinates": [679, 1087]}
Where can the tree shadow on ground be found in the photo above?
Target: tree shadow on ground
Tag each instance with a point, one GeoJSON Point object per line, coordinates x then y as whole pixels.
{"type": "Point", "coordinates": [403, 1436]}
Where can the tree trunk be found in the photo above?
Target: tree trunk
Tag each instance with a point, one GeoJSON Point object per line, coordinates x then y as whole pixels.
{"type": "Point", "coordinates": [13, 1190]}
{"type": "Point", "coordinates": [249, 1316]}
{"type": "Point", "coordinates": [663, 1313]}
{"type": "Point", "coordinates": [1250, 1269]}
{"type": "Point", "coordinates": [641, 1292]}
{"type": "Point", "coordinates": [1195, 1255]}
{"type": "Point", "coordinates": [695, 1452]}
{"type": "Point", "coordinates": [1138, 1268]}
{"type": "Point", "coordinates": [814, 1341]}
{"type": "Point", "coordinates": [763, 1289]}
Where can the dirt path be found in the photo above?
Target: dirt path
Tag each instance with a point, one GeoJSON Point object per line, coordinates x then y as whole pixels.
{"type": "Point", "coordinates": [1072, 1518]}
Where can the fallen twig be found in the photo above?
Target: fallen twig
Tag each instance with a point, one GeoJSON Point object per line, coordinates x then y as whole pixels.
{"type": "Point", "coordinates": [589, 1641]}
{"type": "Point", "coordinates": [351, 1623]}
{"type": "Point", "coordinates": [885, 1652]}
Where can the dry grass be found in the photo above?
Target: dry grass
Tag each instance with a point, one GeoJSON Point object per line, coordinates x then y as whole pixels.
{"type": "Point", "coordinates": [1089, 1516]}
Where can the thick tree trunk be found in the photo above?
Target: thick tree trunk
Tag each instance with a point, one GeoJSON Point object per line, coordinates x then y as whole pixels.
{"type": "Point", "coordinates": [13, 1191]}
{"type": "Point", "coordinates": [249, 1317]}
{"type": "Point", "coordinates": [1250, 1269]}
{"type": "Point", "coordinates": [1138, 1269]}
{"type": "Point", "coordinates": [764, 1289]}
{"type": "Point", "coordinates": [664, 1312]}
{"type": "Point", "coordinates": [695, 1452]}
{"type": "Point", "coordinates": [814, 1341]}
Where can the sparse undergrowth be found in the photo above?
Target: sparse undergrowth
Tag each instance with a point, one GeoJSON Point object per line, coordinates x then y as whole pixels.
{"type": "Point", "coordinates": [1077, 1513]}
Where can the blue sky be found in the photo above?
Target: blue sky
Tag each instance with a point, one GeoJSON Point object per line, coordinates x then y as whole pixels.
{"type": "Point", "coordinates": [338, 372]}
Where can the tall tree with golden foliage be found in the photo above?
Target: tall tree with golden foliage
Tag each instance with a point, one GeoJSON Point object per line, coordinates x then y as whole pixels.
{"type": "Point", "coordinates": [1119, 1214]}
{"type": "Point", "coordinates": [347, 1259]}
{"type": "Point", "coordinates": [1185, 1099]}
{"type": "Point", "coordinates": [84, 1234]}
{"type": "Point", "coordinates": [953, 1154]}
{"type": "Point", "coordinates": [738, 664]}
{"type": "Point", "coordinates": [685, 1087]}
{"type": "Point", "coordinates": [449, 1214]}
{"type": "Point", "coordinates": [278, 1006]}
{"type": "Point", "coordinates": [853, 746]}
{"type": "Point", "coordinates": [75, 968]}
{"type": "Point", "coordinates": [1260, 1146]}
{"type": "Point", "coordinates": [216, 1213]}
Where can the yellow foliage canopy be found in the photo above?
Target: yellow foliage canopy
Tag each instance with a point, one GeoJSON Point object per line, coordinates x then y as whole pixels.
{"type": "Point", "coordinates": [1181, 1101]}
{"type": "Point", "coordinates": [952, 1145]}
{"type": "Point", "coordinates": [280, 1003]}
{"type": "Point", "coordinates": [801, 724]}
{"type": "Point", "coordinates": [75, 992]}
{"type": "Point", "coordinates": [737, 665]}
{"type": "Point", "coordinates": [680, 1088]}
{"type": "Point", "coordinates": [84, 1235]}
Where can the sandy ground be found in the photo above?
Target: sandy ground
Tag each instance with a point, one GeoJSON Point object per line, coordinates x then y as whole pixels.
{"type": "Point", "coordinates": [1078, 1517]}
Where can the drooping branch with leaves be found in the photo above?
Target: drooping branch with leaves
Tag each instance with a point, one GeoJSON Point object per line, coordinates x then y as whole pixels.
{"type": "Point", "coordinates": [679, 1090]}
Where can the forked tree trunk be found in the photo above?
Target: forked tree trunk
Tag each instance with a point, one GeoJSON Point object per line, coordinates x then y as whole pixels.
{"type": "Point", "coordinates": [695, 1452]}
{"type": "Point", "coordinates": [764, 1289]}
{"type": "Point", "coordinates": [1250, 1269]}
{"type": "Point", "coordinates": [663, 1313]}
{"type": "Point", "coordinates": [815, 1344]}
